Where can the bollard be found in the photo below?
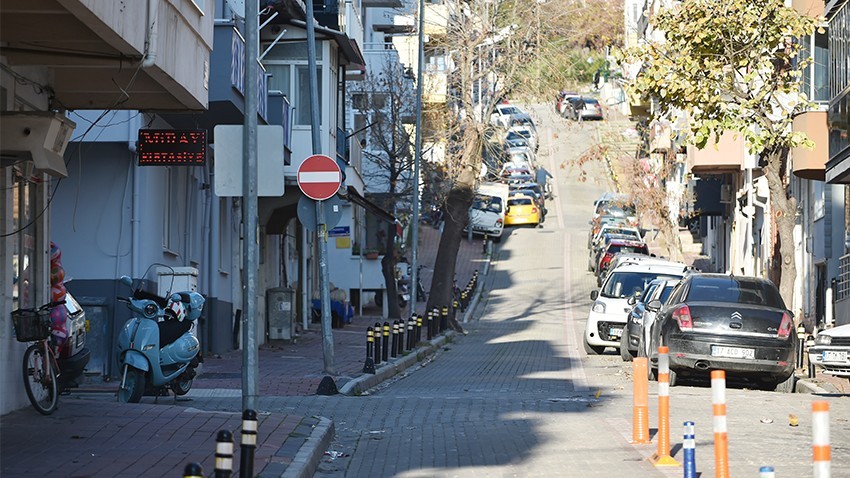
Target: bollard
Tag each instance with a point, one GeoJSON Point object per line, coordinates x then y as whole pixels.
{"type": "Point", "coordinates": [429, 332]}
{"type": "Point", "coordinates": [394, 341]}
{"type": "Point", "coordinates": [821, 450]}
{"type": "Point", "coordinates": [810, 342]}
{"type": "Point", "coordinates": [766, 472]}
{"type": "Point", "coordinates": [662, 456]}
{"type": "Point", "coordinates": [193, 470]}
{"type": "Point", "coordinates": [411, 325]}
{"type": "Point", "coordinates": [689, 445]}
{"type": "Point", "coordinates": [418, 330]}
{"type": "Point", "coordinates": [369, 364]}
{"type": "Point", "coordinates": [223, 454]}
{"type": "Point", "coordinates": [801, 345]}
{"type": "Point", "coordinates": [721, 443]}
{"type": "Point", "coordinates": [444, 319]}
{"type": "Point", "coordinates": [401, 336]}
{"type": "Point", "coordinates": [377, 343]}
{"type": "Point", "coordinates": [249, 443]}
{"type": "Point", "coordinates": [640, 402]}
{"type": "Point", "coordinates": [385, 347]}
{"type": "Point", "coordinates": [456, 305]}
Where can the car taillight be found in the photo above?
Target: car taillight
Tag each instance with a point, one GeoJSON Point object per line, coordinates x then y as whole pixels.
{"type": "Point", "coordinates": [683, 317]}
{"type": "Point", "coordinates": [533, 210]}
{"type": "Point", "coordinates": [785, 326]}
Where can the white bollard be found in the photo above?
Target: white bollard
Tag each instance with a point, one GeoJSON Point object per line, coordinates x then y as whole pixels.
{"type": "Point", "coordinates": [821, 450]}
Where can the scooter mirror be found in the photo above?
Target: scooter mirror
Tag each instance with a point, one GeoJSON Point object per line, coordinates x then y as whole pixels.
{"type": "Point", "coordinates": [126, 281]}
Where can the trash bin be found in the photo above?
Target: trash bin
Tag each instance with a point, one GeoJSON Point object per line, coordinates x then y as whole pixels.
{"type": "Point", "coordinates": [280, 313]}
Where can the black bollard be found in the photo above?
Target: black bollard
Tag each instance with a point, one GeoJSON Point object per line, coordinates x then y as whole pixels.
{"type": "Point", "coordinates": [401, 336]}
{"type": "Point", "coordinates": [377, 343]}
{"type": "Point", "coordinates": [411, 325]}
{"type": "Point", "coordinates": [249, 443]}
{"type": "Point", "coordinates": [369, 364]}
{"type": "Point", "coordinates": [385, 347]}
{"type": "Point", "coordinates": [394, 340]}
{"type": "Point", "coordinates": [444, 319]}
{"type": "Point", "coordinates": [418, 330]}
{"type": "Point", "coordinates": [223, 454]}
{"type": "Point", "coordinates": [430, 325]}
{"type": "Point", "coordinates": [193, 470]}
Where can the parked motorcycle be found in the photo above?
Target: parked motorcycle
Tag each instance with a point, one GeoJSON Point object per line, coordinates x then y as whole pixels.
{"type": "Point", "coordinates": [157, 350]}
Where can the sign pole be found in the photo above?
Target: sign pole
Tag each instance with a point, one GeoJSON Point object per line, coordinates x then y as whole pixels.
{"type": "Point", "coordinates": [250, 352]}
{"type": "Point", "coordinates": [321, 229]}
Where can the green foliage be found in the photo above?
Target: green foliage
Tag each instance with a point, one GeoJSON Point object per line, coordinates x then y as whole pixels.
{"type": "Point", "coordinates": [728, 66]}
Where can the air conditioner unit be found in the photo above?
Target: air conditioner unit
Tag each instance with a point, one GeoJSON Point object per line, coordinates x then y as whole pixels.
{"type": "Point", "coordinates": [37, 136]}
{"type": "Point", "coordinates": [726, 193]}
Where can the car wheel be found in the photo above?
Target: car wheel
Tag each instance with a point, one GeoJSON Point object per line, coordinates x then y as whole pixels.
{"type": "Point", "coordinates": [788, 385]}
{"type": "Point", "coordinates": [625, 353]}
{"type": "Point", "coordinates": [593, 349]}
{"type": "Point", "coordinates": [652, 373]}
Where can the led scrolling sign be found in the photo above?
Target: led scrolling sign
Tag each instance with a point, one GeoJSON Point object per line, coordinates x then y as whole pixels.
{"type": "Point", "coordinates": [172, 147]}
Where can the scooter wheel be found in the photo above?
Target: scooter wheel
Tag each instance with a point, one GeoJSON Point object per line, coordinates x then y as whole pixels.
{"type": "Point", "coordinates": [134, 386]}
{"type": "Point", "coordinates": [181, 386]}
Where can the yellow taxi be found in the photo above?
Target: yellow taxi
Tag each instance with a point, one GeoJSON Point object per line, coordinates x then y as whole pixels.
{"type": "Point", "coordinates": [522, 210]}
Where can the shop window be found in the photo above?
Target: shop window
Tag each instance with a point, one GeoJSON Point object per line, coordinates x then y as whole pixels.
{"type": "Point", "coordinates": [24, 228]}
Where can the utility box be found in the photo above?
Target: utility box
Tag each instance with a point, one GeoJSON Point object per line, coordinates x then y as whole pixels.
{"type": "Point", "coordinates": [280, 313]}
{"type": "Point", "coordinates": [176, 279]}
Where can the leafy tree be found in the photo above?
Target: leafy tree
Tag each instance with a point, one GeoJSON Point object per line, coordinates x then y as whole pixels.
{"type": "Point", "coordinates": [732, 67]}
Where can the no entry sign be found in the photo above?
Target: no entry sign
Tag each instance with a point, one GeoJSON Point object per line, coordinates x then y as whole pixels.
{"type": "Point", "coordinates": [319, 177]}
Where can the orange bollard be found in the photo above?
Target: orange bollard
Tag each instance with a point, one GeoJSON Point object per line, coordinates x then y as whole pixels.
{"type": "Point", "coordinates": [820, 439]}
{"type": "Point", "coordinates": [640, 402]}
{"type": "Point", "coordinates": [662, 456]}
{"type": "Point", "coordinates": [721, 442]}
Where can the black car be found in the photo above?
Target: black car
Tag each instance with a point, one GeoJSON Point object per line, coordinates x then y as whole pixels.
{"type": "Point", "coordinates": [723, 322]}
{"type": "Point", "coordinates": [632, 342]}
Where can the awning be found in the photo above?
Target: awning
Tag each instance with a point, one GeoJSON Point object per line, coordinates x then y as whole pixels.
{"type": "Point", "coordinates": [355, 197]}
{"type": "Point", "coordinates": [347, 46]}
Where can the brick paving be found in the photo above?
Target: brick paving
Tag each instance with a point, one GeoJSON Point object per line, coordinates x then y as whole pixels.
{"type": "Point", "coordinates": [91, 435]}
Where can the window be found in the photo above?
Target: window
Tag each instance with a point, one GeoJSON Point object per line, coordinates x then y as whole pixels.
{"type": "Point", "coordinates": [358, 101]}
{"type": "Point", "coordinates": [816, 75]}
{"type": "Point", "coordinates": [302, 94]}
{"type": "Point", "coordinates": [25, 259]}
{"type": "Point", "coordinates": [171, 214]}
{"type": "Point", "coordinates": [817, 200]}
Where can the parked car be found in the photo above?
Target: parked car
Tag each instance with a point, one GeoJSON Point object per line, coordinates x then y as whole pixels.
{"type": "Point", "coordinates": [615, 229]}
{"type": "Point", "coordinates": [522, 210]}
{"type": "Point", "coordinates": [635, 338]}
{"type": "Point", "coordinates": [525, 132]}
{"type": "Point", "coordinates": [733, 323]}
{"type": "Point", "coordinates": [831, 352]}
{"type": "Point", "coordinates": [615, 246]}
{"type": "Point", "coordinates": [608, 313]}
{"type": "Point", "coordinates": [622, 258]}
{"type": "Point", "coordinates": [598, 248]}
{"type": "Point", "coordinates": [502, 114]}
{"type": "Point", "coordinates": [584, 108]}
{"type": "Point", "coordinates": [562, 101]}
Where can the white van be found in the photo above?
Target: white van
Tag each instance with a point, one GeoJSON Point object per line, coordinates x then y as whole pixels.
{"type": "Point", "coordinates": [487, 214]}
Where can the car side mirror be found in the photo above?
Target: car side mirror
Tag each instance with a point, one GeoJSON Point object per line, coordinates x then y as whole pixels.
{"type": "Point", "coordinates": [632, 300]}
{"type": "Point", "coordinates": [508, 209]}
{"type": "Point", "coordinates": [594, 294]}
{"type": "Point", "coordinates": [126, 281]}
{"type": "Point", "coordinates": [654, 305]}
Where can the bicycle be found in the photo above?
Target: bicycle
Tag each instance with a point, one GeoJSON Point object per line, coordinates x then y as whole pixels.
{"type": "Point", "coordinates": [40, 368]}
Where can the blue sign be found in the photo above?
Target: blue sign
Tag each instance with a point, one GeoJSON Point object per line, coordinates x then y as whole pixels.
{"type": "Point", "coordinates": [237, 73]}
{"type": "Point", "coordinates": [340, 231]}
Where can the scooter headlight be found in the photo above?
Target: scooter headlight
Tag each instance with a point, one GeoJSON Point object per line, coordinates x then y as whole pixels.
{"type": "Point", "coordinates": [151, 310]}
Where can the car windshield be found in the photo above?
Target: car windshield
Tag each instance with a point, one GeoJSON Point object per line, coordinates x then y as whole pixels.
{"type": "Point", "coordinates": [487, 203]}
{"type": "Point", "coordinates": [639, 249]}
{"type": "Point", "coordinates": [590, 101]}
{"type": "Point", "coordinates": [625, 284]}
{"type": "Point", "coordinates": [509, 110]}
{"type": "Point", "coordinates": [730, 289]}
{"type": "Point", "coordinates": [519, 202]}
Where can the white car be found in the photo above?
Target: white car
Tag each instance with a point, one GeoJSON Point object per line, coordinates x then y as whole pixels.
{"type": "Point", "coordinates": [502, 115]}
{"type": "Point", "coordinates": [831, 352]}
{"type": "Point", "coordinates": [524, 132]}
{"type": "Point", "coordinates": [609, 313]}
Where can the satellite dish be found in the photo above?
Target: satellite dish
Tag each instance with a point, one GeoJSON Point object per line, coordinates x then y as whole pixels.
{"type": "Point", "coordinates": [237, 7]}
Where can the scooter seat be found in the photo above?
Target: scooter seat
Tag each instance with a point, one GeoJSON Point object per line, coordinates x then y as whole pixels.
{"type": "Point", "coordinates": [171, 330]}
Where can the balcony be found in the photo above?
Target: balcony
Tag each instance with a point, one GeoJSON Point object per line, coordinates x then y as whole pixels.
{"type": "Point", "coordinates": [811, 163]}
{"type": "Point", "coordinates": [726, 156]}
{"type": "Point", "coordinates": [92, 51]}
{"type": "Point", "coordinates": [810, 8]}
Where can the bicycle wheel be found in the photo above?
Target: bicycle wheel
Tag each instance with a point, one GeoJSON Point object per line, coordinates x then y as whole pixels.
{"type": "Point", "coordinates": [40, 380]}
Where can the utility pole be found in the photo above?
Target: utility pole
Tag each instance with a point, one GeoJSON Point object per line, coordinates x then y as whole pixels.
{"type": "Point", "coordinates": [250, 364]}
{"type": "Point", "coordinates": [417, 158]}
{"type": "Point", "coordinates": [321, 226]}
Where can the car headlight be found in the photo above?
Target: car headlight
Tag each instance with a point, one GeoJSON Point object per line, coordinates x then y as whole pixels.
{"type": "Point", "coordinates": [598, 307]}
{"type": "Point", "coordinates": [823, 339]}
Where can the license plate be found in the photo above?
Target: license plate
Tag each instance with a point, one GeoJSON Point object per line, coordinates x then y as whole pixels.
{"type": "Point", "coordinates": [834, 356]}
{"type": "Point", "coordinates": [732, 352]}
{"type": "Point", "coordinates": [615, 332]}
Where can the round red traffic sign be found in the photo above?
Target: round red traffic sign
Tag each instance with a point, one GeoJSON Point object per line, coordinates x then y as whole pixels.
{"type": "Point", "coordinates": [319, 177]}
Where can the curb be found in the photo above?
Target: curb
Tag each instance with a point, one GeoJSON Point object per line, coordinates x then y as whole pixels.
{"type": "Point", "coordinates": [306, 461]}
{"type": "Point", "coordinates": [810, 387]}
{"type": "Point", "coordinates": [479, 288]}
{"type": "Point", "coordinates": [395, 366]}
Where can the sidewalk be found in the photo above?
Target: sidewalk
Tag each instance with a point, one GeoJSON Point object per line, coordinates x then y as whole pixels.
{"type": "Point", "coordinates": [92, 435]}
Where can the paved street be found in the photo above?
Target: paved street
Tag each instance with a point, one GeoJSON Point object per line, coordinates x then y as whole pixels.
{"type": "Point", "coordinates": [517, 396]}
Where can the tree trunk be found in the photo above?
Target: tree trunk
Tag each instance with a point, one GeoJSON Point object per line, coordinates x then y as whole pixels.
{"type": "Point", "coordinates": [784, 210]}
{"type": "Point", "coordinates": [388, 270]}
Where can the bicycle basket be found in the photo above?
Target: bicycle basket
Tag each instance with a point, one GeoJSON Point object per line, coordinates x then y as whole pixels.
{"type": "Point", "coordinates": [31, 325]}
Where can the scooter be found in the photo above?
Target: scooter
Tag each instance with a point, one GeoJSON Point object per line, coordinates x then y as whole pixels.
{"type": "Point", "coordinates": [156, 349]}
